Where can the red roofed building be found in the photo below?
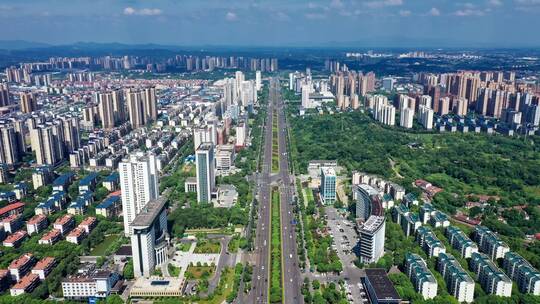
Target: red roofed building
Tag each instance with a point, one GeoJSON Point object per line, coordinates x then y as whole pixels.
{"type": "Point", "coordinates": [15, 208]}
{"type": "Point", "coordinates": [27, 284]}
{"type": "Point", "coordinates": [88, 224]}
{"type": "Point", "coordinates": [64, 224]}
{"type": "Point", "coordinates": [12, 223]}
{"type": "Point", "coordinates": [50, 237]}
{"type": "Point", "coordinates": [36, 224]}
{"type": "Point", "coordinates": [76, 236]}
{"type": "Point", "coordinates": [44, 267]}
{"type": "Point", "coordinates": [21, 266]}
{"type": "Point", "coordinates": [15, 239]}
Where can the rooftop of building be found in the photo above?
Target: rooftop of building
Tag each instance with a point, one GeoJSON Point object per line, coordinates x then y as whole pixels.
{"type": "Point", "coordinates": [11, 207]}
{"type": "Point", "coordinates": [150, 212]}
{"type": "Point", "coordinates": [20, 261]}
{"type": "Point", "coordinates": [328, 171]}
{"type": "Point", "coordinates": [64, 220]}
{"type": "Point", "coordinates": [109, 201]}
{"type": "Point", "coordinates": [63, 179]}
{"type": "Point", "coordinates": [77, 232]}
{"type": "Point", "coordinates": [26, 281]}
{"type": "Point", "coordinates": [37, 219]}
{"type": "Point", "coordinates": [88, 221]}
{"type": "Point", "coordinates": [89, 179]}
{"type": "Point", "coordinates": [383, 287]}
{"type": "Point", "coordinates": [373, 223]}
{"type": "Point", "coordinates": [16, 236]}
{"type": "Point", "coordinates": [45, 263]}
{"type": "Point", "coordinates": [51, 235]}
{"type": "Point", "coordinates": [12, 218]}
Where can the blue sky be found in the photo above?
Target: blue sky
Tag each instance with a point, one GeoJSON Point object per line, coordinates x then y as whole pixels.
{"type": "Point", "coordinates": [275, 23]}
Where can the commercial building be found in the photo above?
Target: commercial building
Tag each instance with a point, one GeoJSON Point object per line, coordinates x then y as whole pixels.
{"type": "Point", "coordinates": [490, 277]}
{"type": "Point", "coordinates": [421, 277]}
{"type": "Point", "coordinates": [489, 243]}
{"type": "Point", "coordinates": [367, 199]}
{"type": "Point", "coordinates": [458, 282]}
{"type": "Point", "coordinates": [460, 241]}
{"type": "Point", "coordinates": [95, 284]}
{"type": "Point", "coordinates": [139, 185]}
{"type": "Point", "coordinates": [150, 238]}
{"type": "Point", "coordinates": [371, 242]}
{"type": "Point", "coordinates": [522, 272]}
{"type": "Point", "coordinates": [206, 181]}
{"type": "Point", "coordinates": [328, 185]}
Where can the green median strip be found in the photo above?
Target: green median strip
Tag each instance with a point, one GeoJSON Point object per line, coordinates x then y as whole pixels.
{"type": "Point", "coordinates": [276, 287]}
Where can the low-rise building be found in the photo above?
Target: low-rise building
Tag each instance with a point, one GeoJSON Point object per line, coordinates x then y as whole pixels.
{"type": "Point", "coordinates": [11, 209]}
{"type": "Point", "coordinates": [19, 267]}
{"type": "Point", "coordinates": [88, 224]}
{"type": "Point", "coordinates": [64, 224]}
{"type": "Point", "coordinates": [190, 185]}
{"type": "Point", "coordinates": [51, 237]}
{"type": "Point", "coordinates": [62, 182]}
{"type": "Point", "coordinates": [44, 267]}
{"type": "Point", "coordinates": [112, 181]}
{"type": "Point", "coordinates": [421, 277]}
{"type": "Point", "coordinates": [12, 223]}
{"type": "Point", "coordinates": [379, 288]}
{"type": "Point", "coordinates": [15, 239]}
{"type": "Point", "coordinates": [25, 285]}
{"type": "Point", "coordinates": [36, 224]}
{"type": "Point", "coordinates": [96, 284]}
{"type": "Point", "coordinates": [111, 206]}
{"type": "Point", "coordinates": [76, 235]}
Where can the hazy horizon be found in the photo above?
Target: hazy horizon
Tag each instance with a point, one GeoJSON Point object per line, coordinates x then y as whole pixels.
{"type": "Point", "coordinates": [316, 23]}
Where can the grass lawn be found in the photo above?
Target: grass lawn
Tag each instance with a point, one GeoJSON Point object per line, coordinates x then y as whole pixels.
{"type": "Point", "coordinates": [183, 247]}
{"type": "Point", "coordinates": [100, 249]}
{"type": "Point", "coordinates": [199, 272]}
{"type": "Point", "coordinates": [228, 284]}
{"type": "Point", "coordinates": [207, 246]}
{"type": "Point", "coordinates": [173, 270]}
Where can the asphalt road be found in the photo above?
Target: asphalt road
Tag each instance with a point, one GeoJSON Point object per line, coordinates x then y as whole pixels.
{"type": "Point", "coordinates": [261, 280]}
{"type": "Point", "coordinates": [292, 279]}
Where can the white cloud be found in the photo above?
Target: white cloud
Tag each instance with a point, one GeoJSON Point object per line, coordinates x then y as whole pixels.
{"type": "Point", "coordinates": [468, 12]}
{"type": "Point", "coordinates": [495, 2]}
{"type": "Point", "coordinates": [404, 13]}
{"type": "Point", "coordinates": [142, 12]}
{"type": "Point", "coordinates": [336, 3]}
{"type": "Point", "coordinates": [230, 16]}
{"type": "Point", "coordinates": [315, 16]}
{"type": "Point", "coordinates": [383, 3]}
{"type": "Point", "coordinates": [434, 12]}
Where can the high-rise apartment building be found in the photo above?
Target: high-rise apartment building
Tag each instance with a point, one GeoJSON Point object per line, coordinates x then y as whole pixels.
{"type": "Point", "coordinates": [48, 143]}
{"type": "Point", "coordinates": [425, 117]}
{"type": "Point", "coordinates": [106, 111]}
{"type": "Point", "coordinates": [422, 278]}
{"type": "Point", "coordinates": [206, 182]}
{"type": "Point", "coordinates": [490, 277]}
{"type": "Point", "coordinates": [522, 272]}
{"type": "Point", "coordinates": [458, 282]}
{"type": "Point", "coordinates": [28, 103]}
{"type": "Point", "coordinates": [9, 150]}
{"type": "Point", "coordinates": [4, 95]}
{"type": "Point", "coordinates": [406, 118]}
{"type": "Point", "coordinates": [139, 185]}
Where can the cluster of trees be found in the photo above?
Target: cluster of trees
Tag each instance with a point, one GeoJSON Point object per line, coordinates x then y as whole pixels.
{"type": "Point", "coordinates": [461, 164]}
{"type": "Point", "coordinates": [205, 217]}
{"type": "Point", "coordinates": [324, 294]}
{"type": "Point", "coordinates": [238, 269]}
{"type": "Point", "coordinates": [319, 245]}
